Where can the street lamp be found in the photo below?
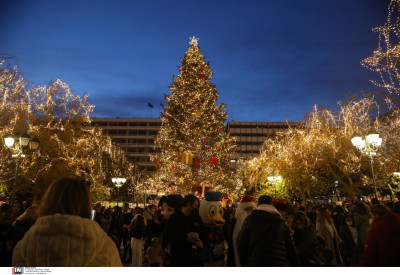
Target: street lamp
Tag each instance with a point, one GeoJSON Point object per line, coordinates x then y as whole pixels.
{"type": "Point", "coordinates": [274, 180]}
{"type": "Point", "coordinates": [118, 182]}
{"type": "Point", "coordinates": [18, 145]}
{"type": "Point", "coordinates": [368, 145]}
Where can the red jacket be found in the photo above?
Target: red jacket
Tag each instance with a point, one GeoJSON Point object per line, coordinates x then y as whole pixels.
{"type": "Point", "coordinates": [383, 242]}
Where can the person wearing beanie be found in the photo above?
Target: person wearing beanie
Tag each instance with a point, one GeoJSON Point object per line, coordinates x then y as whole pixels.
{"type": "Point", "coordinates": [244, 208]}
{"type": "Point", "coordinates": [265, 238]}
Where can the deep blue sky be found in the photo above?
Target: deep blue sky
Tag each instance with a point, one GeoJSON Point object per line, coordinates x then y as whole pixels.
{"type": "Point", "coordinates": [271, 59]}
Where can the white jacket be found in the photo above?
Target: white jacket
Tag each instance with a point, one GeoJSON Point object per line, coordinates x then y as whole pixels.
{"type": "Point", "coordinates": [65, 240]}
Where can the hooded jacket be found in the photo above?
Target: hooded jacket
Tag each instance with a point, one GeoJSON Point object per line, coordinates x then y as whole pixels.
{"type": "Point", "coordinates": [265, 240]}
{"type": "Point", "coordinates": [65, 240]}
{"type": "Point", "coordinates": [383, 242]}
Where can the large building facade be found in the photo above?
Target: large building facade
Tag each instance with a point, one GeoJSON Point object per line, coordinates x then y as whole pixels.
{"type": "Point", "coordinates": [250, 135]}
{"type": "Point", "coordinates": [136, 136]}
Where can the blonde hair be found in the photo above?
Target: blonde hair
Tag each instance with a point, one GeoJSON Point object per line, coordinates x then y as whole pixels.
{"type": "Point", "coordinates": [66, 196]}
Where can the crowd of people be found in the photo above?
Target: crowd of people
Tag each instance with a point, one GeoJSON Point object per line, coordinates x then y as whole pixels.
{"type": "Point", "coordinates": [63, 231]}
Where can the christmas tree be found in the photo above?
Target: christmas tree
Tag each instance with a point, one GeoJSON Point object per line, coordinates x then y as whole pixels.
{"type": "Point", "coordinates": [193, 148]}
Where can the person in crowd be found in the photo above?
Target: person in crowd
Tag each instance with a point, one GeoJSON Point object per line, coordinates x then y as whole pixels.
{"type": "Point", "coordinates": [24, 222]}
{"type": "Point", "coordinates": [230, 262]}
{"type": "Point", "coordinates": [338, 217]}
{"type": "Point", "coordinates": [154, 253]}
{"type": "Point", "coordinates": [8, 237]}
{"type": "Point", "coordinates": [287, 211]}
{"type": "Point", "coordinates": [383, 240]}
{"type": "Point", "coordinates": [311, 213]}
{"type": "Point", "coordinates": [265, 238]}
{"type": "Point", "coordinates": [327, 232]}
{"type": "Point", "coordinates": [127, 217]}
{"type": "Point", "coordinates": [64, 234]}
{"type": "Point", "coordinates": [350, 246]}
{"type": "Point", "coordinates": [138, 234]}
{"type": "Point", "coordinates": [396, 205]}
{"type": "Point", "coordinates": [17, 209]}
{"type": "Point", "coordinates": [116, 224]}
{"type": "Point", "coordinates": [98, 215]}
{"type": "Point", "coordinates": [244, 208]}
{"type": "Point", "coordinates": [182, 234]}
{"type": "Point", "coordinates": [362, 217]}
{"type": "Point", "coordinates": [306, 240]}
{"type": "Point", "coordinates": [374, 201]}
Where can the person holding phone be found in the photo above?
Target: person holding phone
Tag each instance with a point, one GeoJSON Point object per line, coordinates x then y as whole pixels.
{"type": "Point", "coordinates": [183, 232]}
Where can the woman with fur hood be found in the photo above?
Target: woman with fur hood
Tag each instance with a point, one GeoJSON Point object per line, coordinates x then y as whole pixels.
{"type": "Point", "coordinates": [64, 235]}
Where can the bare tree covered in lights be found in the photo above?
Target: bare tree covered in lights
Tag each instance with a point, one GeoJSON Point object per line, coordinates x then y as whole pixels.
{"type": "Point", "coordinates": [318, 157]}
{"type": "Point", "coordinates": [68, 145]}
{"type": "Point", "coordinates": [193, 126]}
{"type": "Point", "coordinates": [386, 59]}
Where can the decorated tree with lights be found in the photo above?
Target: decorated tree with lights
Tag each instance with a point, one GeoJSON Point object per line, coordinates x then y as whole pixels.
{"type": "Point", "coordinates": [317, 158]}
{"type": "Point", "coordinates": [386, 59]}
{"type": "Point", "coordinates": [194, 148]}
{"type": "Point", "coordinates": [69, 146]}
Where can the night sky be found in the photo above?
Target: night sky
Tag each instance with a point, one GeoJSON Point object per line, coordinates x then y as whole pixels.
{"type": "Point", "coordinates": [271, 60]}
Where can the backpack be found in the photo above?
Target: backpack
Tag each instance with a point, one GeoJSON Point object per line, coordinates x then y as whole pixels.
{"type": "Point", "coordinates": [137, 229]}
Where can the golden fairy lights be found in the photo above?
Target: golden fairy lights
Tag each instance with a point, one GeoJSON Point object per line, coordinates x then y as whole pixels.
{"type": "Point", "coordinates": [69, 146]}
{"type": "Point", "coordinates": [193, 124]}
{"type": "Point", "coordinates": [385, 59]}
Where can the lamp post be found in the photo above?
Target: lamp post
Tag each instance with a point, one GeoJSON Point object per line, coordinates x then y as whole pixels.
{"type": "Point", "coordinates": [19, 145]}
{"type": "Point", "coordinates": [368, 145]}
{"type": "Point", "coordinates": [274, 180]}
{"type": "Point", "coordinates": [118, 182]}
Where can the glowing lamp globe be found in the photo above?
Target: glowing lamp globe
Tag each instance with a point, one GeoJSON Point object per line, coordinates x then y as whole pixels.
{"type": "Point", "coordinates": [9, 140]}
{"type": "Point", "coordinates": [358, 141]}
{"type": "Point", "coordinates": [24, 139]}
{"type": "Point", "coordinates": [374, 139]}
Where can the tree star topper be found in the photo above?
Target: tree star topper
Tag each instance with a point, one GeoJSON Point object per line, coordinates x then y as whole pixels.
{"type": "Point", "coordinates": [193, 41]}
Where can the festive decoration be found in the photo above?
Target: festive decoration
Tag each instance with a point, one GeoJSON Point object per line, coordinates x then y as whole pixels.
{"type": "Point", "coordinates": [195, 127]}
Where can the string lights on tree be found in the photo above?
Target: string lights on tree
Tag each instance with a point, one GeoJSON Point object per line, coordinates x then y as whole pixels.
{"type": "Point", "coordinates": [194, 148]}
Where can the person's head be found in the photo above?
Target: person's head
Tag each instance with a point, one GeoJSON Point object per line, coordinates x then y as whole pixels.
{"type": "Point", "coordinates": [66, 196]}
{"type": "Point", "coordinates": [323, 214]}
{"type": "Point", "coordinates": [301, 220]}
{"type": "Point", "coordinates": [286, 209]}
{"type": "Point", "coordinates": [379, 210]}
{"type": "Point", "coordinates": [310, 208]}
{"type": "Point", "coordinates": [7, 217]}
{"type": "Point", "coordinates": [339, 209]}
{"type": "Point", "coordinates": [155, 241]}
{"type": "Point", "coordinates": [16, 207]}
{"type": "Point", "coordinates": [264, 199]}
{"type": "Point", "coordinates": [349, 220]}
{"type": "Point", "coordinates": [125, 207]}
{"type": "Point", "coordinates": [362, 209]}
{"type": "Point", "coordinates": [191, 202]}
{"type": "Point", "coordinates": [374, 201]}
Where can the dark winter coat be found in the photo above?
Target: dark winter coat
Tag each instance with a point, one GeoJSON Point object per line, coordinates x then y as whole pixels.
{"type": "Point", "coordinates": [266, 240]}
{"type": "Point", "coordinates": [307, 245]}
{"type": "Point", "coordinates": [175, 236]}
{"type": "Point", "coordinates": [351, 250]}
{"type": "Point", "coordinates": [383, 242]}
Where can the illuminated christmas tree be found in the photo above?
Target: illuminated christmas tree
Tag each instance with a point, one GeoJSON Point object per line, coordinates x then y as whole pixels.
{"type": "Point", "coordinates": [194, 150]}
